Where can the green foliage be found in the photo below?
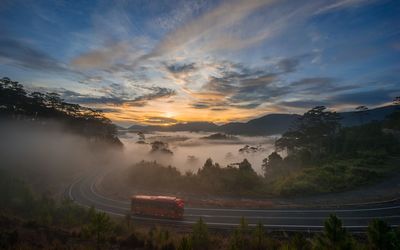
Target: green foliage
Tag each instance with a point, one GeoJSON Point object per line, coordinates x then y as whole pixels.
{"type": "Point", "coordinates": [185, 244]}
{"type": "Point", "coordinates": [240, 238]}
{"type": "Point", "coordinates": [333, 176]}
{"type": "Point", "coordinates": [152, 174]}
{"type": "Point", "coordinates": [99, 227]}
{"type": "Point", "coordinates": [299, 242]}
{"type": "Point", "coordinates": [312, 133]}
{"type": "Point", "coordinates": [17, 104]}
{"type": "Point", "coordinates": [380, 235]}
{"type": "Point", "coordinates": [272, 165]}
{"type": "Point", "coordinates": [159, 239]}
{"type": "Point", "coordinates": [200, 238]}
{"type": "Point", "coordinates": [334, 236]}
{"type": "Point", "coordinates": [210, 179]}
{"type": "Point", "coordinates": [258, 238]}
{"type": "Point", "coordinates": [323, 157]}
{"type": "Point", "coordinates": [245, 165]}
{"type": "Point", "coordinates": [16, 196]}
{"type": "Point", "coordinates": [18, 199]}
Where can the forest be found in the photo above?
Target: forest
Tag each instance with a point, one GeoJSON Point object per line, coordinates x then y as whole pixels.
{"type": "Point", "coordinates": [36, 108]}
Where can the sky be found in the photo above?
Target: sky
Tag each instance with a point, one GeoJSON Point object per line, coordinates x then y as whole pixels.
{"type": "Point", "coordinates": [168, 61]}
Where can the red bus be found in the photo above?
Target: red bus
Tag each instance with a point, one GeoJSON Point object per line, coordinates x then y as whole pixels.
{"type": "Point", "coordinates": [158, 206]}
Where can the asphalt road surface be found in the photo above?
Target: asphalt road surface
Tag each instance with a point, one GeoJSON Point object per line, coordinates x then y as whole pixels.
{"type": "Point", "coordinates": [354, 217]}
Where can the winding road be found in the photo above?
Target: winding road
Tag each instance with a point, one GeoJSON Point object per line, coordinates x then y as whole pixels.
{"type": "Point", "coordinates": [355, 217]}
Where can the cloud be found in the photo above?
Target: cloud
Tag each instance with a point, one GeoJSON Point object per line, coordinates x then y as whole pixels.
{"type": "Point", "coordinates": [159, 120]}
{"type": "Point", "coordinates": [200, 105]}
{"type": "Point", "coordinates": [343, 4]}
{"type": "Point", "coordinates": [313, 81]}
{"type": "Point", "coordinates": [288, 65]}
{"type": "Point", "coordinates": [22, 54]}
{"type": "Point", "coordinates": [221, 17]}
{"type": "Point", "coordinates": [157, 92]}
{"type": "Point", "coordinates": [113, 98]}
{"type": "Point", "coordinates": [101, 57]}
{"type": "Point", "coordinates": [244, 87]}
{"type": "Point", "coordinates": [179, 68]}
{"type": "Point", "coordinates": [307, 104]}
{"type": "Point", "coordinates": [371, 97]}
{"type": "Point", "coordinates": [321, 85]}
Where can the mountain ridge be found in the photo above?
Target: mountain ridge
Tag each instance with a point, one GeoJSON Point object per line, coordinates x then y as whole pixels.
{"type": "Point", "coordinates": [269, 124]}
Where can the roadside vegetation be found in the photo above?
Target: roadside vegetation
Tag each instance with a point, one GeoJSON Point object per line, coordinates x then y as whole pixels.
{"type": "Point", "coordinates": [321, 156]}
{"type": "Point", "coordinates": [32, 221]}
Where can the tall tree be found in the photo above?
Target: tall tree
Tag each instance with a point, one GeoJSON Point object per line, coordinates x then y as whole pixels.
{"type": "Point", "coordinates": [245, 165]}
{"type": "Point", "coordinates": [100, 225]}
{"type": "Point", "coordinates": [272, 164]}
{"type": "Point", "coordinates": [314, 132]}
{"type": "Point", "coordinates": [240, 239]}
{"type": "Point", "coordinates": [200, 238]}
{"type": "Point", "coordinates": [258, 239]}
{"type": "Point", "coordinates": [379, 235]}
{"type": "Point", "coordinates": [334, 236]}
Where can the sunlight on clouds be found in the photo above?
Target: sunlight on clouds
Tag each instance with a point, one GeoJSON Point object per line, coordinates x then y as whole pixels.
{"type": "Point", "coordinates": [220, 61]}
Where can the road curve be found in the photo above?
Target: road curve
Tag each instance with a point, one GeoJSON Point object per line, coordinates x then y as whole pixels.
{"type": "Point", "coordinates": [355, 218]}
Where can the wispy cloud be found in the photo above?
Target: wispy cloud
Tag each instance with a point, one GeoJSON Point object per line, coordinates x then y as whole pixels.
{"type": "Point", "coordinates": [113, 98]}
{"type": "Point", "coordinates": [22, 54]}
{"type": "Point", "coordinates": [343, 4]}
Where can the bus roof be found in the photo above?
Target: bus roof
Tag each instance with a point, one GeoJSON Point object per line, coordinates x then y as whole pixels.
{"type": "Point", "coordinates": [155, 198]}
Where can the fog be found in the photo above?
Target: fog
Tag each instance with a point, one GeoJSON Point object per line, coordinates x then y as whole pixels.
{"type": "Point", "coordinates": [48, 157]}
{"type": "Point", "coordinates": [191, 149]}
{"type": "Point", "coordinates": [52, 158]}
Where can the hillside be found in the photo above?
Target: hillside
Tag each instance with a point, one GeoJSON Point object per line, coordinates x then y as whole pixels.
{"type": "Point", "coordinates": [43, 109]}
{"type": "Point", "coordinates": [265, 125]}
{"type": "Point", "coordinates": [189, 126]}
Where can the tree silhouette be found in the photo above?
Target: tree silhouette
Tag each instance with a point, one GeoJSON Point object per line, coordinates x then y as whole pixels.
{"type": "Point", "coordinates": [298, 242]}
{"type": "Point", "coordinates": [272, 164]}
{"type": "Point", "coordinates": [379, 235]}
{"type": "Point", "coordinates": [100, 224]}
{"type": "Point", "coordinates": [334, 236]}
{"type": "Point", "coordinates": [185, 244]}
{"type": "Point", "coordinates": [245, 165]}
{"type": "Point", "coordinates": [240, 239]}
{"type": "Point", "coordinates": [313, 134]}
{"type": "Point", "coordinates": [258, 239]}
{"type": "Point", "coordinates": [200, 238]}
{"type": "Point", "coordinates": [17, 104]}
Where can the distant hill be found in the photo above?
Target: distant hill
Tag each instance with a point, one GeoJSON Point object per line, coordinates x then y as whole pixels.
{"type": "Point", "coordinates": [267, 125]}
{"type": "Point", "coordinates": [378, 114]}
{"type": "Point", "coordinates": [188, 126]}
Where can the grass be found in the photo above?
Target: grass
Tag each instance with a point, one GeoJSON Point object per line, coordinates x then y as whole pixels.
{"type": "Point", "coordinates": [335, 176]}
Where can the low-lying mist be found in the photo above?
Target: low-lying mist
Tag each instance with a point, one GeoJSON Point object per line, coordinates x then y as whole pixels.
{"type": "Point", "coordinates": [50, 158]}
{"type": "Point", "coordinates": [191, 149]}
